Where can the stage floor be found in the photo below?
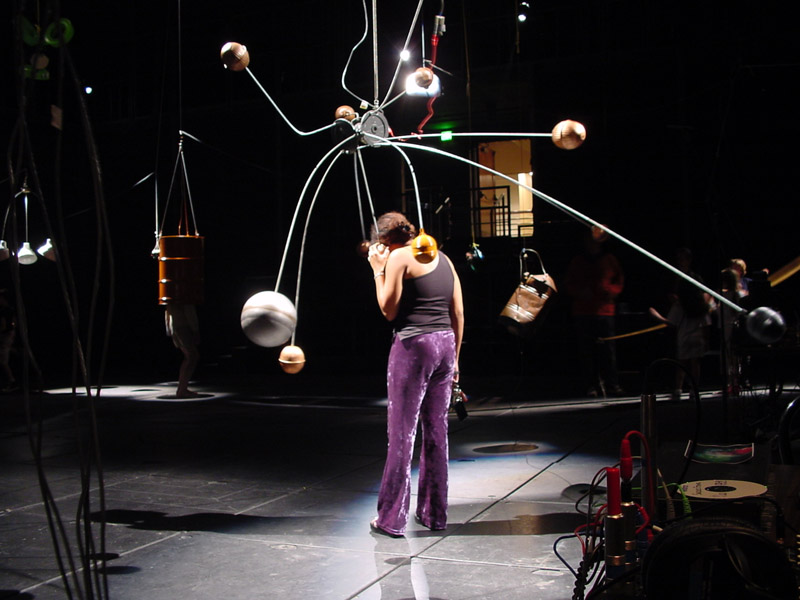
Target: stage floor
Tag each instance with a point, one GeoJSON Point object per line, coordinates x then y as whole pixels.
{"type": "Point", "coordinates": [260, 493]}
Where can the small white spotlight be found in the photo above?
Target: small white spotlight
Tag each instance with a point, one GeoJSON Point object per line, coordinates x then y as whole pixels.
{"type": "Point", "coordinates": [522, 10]}
{"type": "Point", "coordinates": [88, 89]}
{"type": "Point", "coordinates": [405, 55]}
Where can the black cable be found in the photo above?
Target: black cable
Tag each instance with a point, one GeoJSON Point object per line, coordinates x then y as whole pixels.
{"type": "Point", "coordinates": [609, 584]}
{"type": "Point", "coordinates": [561, 558]}
{"type": "Point", "coordinates": [95, 581]}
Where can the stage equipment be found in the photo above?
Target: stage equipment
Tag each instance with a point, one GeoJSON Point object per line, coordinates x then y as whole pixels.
{"type": "Point", "coordinates": [363, 248]}
{"type": "Point", "coordinates": [765, 325]}
{"type": "Point", "coordinates": [26, 255]}
{"type": "Point", "coordinates": [525, 308]}
{"type": "Point", "coordinates": [292, 359]}
{"type": "Point", "coordinates": [457, 400]}
{"type": "Point", "coordinates": [373, 131]}
{"type": "Point", "coordinates": [568, 135]}
{"type": "Point", "coordinates": [268, 319]}
{"type": "Point", "coordinates": [345, 112]}
{"type": "Point", "coordinates": [474, 256]}
{"type": "Point", "coordinates": [180, 269]}
{"type": "Point", "coordinates": [235, 56]}
{"type": "Point", "coordinates": [47, 250]}
{"type": "Point", "coordinates": [424, 247]}
{"type": "Point", "coordinates": [423, 82]}
{"type": "Point", "coordinates": [522, 10]}
{"type": "Point", "coordinates": [423, 77]}
{"type": "Point", "coordinates": [787, 432]}
{"type": "Point", "coordinates": [716, 557]}
{"type": "Point", "coordinates": [784, 272]}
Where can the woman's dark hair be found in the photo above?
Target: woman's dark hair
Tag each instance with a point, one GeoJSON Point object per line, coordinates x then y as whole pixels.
{"type": "Point", "coordinates": [392, 228]}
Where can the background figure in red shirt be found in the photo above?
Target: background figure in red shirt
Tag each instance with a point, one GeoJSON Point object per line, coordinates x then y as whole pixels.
{"type": "Point", "coordinates": [593, 281]}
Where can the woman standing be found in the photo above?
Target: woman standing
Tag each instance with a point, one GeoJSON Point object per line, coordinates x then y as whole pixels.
{"type": "Point", "coordinates": [421, 296]}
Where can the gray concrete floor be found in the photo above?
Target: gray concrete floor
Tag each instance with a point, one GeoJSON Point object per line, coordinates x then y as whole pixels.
{"type": "Point", "coordinates": [247, 493]}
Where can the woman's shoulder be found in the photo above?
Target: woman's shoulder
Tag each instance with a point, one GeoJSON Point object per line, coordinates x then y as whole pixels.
{"type": "Point", "coordinates": [402, 254]}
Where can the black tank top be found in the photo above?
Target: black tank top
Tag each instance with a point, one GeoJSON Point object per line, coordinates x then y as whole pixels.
{"type": "Point", "coordinates": [425, 303]}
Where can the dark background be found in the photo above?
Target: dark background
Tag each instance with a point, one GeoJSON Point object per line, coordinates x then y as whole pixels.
{"type": "Point", "coordinates": [690, 108]}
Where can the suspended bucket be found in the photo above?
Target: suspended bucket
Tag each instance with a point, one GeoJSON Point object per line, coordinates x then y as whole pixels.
{"type": "Point", "coordinates": [180, 269]}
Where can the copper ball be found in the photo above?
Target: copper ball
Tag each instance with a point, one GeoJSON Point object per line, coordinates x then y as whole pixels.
{"type": "Point", "coordinates": [292, 359]}
{"type": "Point", "coordinates": [599, 234]}
{"type": "Point", "coordinates": [345, 112]}
{"type": "Point", "coordinates": [424, 247]}
{"type": "Point", "coordinates": [423, 77]}
{"type": "Point", "coordinates": [568, 134]}
{"type": "Point", "coordinates": [363, 249]}
{"type": "Point", "coordinates": [235, 56]}
{"type": "Point", "coordinates": [40, 61]}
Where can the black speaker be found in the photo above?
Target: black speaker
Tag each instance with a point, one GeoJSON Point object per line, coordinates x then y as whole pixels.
{"type": "Point", "coordinates": [716, 558]}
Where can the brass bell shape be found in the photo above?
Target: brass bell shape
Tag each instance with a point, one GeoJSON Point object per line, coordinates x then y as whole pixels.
{"type": "Point", "coordinates": [424, 247]}
{"type": "Point", "coordinates": [292, 359]}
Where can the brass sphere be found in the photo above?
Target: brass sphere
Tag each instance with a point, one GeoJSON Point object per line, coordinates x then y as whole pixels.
{"type": "Point", "coordinates": [363, 249]}
{"type": "Point", "coordinates": [235, 56]}
{"type": "Point", "coordinates": [292, 359]}
{"type": "Point", "coordinates": [424, 247]}
{"type": "Point", "coordinates": [423, 77]}
{"type": "Point", "coordinates": [568, 134]}
{"type": "Point", "coordinates": [345, 112]}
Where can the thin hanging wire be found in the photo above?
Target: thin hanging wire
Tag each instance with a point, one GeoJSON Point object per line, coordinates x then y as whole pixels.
{"type": "Point", "coordinates": [305, 237]}
{"type": "Point", "coordinates": [280, 112]}
{"type": "Point", "coordinates": [25, 199]}
{"type": "Point", "coordinates": [188, 190]}
{"type": "Point", "coordinates": [180, 69]}
{"type": "Point", "coordinates": [358, 198]}
{"type": "Point", "coordinates": [352, 51]}
{"type": "Point", "coordinates": [337, 148]}
{"type": "Point", "coordinates": [375, 52]}
{"type": "Point", "coordinates": [400, 61]}
{"type": "Point", "coordinates": [410, 166]}
{"type": "Point", "coordinates": [367, 188]}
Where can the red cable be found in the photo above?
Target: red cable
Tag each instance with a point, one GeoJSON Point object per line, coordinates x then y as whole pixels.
{"type": "Point", "coordinates": [434, 48]}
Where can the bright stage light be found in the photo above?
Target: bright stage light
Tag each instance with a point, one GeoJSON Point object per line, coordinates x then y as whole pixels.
{"type": "Point", "coordinates": [522, 11]}
{"type": "Point", "coordinates": [405, 55]}
{"type": "Point", "coordinates": [414, 89]}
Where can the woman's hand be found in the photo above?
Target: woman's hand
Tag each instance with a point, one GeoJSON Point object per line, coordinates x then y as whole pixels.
{"type": "Point", "coordinates": [377, 255]}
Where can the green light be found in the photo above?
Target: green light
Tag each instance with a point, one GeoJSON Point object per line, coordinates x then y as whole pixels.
{"type": "Point", "coordinates": [446, 136]}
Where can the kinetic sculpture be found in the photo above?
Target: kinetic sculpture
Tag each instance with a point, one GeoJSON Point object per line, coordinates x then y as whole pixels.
{"type": "Point", "coordinates": [269, 318]}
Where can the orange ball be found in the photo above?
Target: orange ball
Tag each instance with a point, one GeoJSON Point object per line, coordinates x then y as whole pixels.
{"type": "Point", "coordinates": [424, 247]}
{"type": "Point", "coordinates": [235, 56]}
{"type": "Point", "coordinates": [568, 134]}
{"type": "Point", "coordinates": [345, 112]}
{"type": "Point", "coordinates": [292, 359]}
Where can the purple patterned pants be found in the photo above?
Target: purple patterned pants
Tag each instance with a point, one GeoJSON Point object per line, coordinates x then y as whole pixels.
{"type": "Point", "coordinates": [419, 379]}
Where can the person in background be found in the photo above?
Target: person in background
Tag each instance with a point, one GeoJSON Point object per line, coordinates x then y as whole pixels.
{"type": "Point", "coordinates": [184, 329]}
{"type": "Point", "coordinates": [689, 313]}
{"type": "Point", "coordinates": [8, 332]}
{"type": "Point", "coordinates": [593, 281]}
